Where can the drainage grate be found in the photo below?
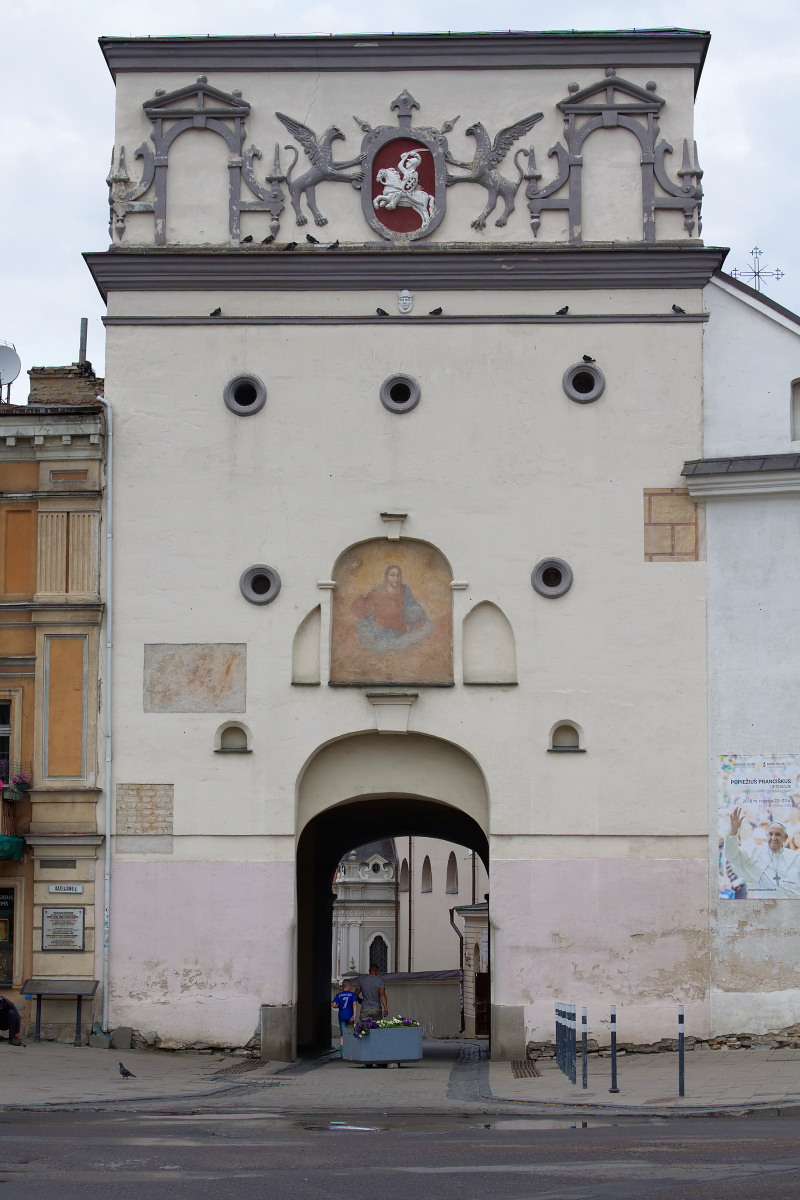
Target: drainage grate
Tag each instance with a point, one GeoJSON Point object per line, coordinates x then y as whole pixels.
{"type": "Point", "coordinates": [522, 1068]}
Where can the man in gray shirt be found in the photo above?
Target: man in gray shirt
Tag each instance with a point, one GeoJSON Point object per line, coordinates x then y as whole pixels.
{"type": "Point", "coordinates": [372, 995]}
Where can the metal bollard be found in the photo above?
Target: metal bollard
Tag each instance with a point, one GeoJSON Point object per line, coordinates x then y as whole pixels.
{"type": "Point", "coordinates": [573, 1078]}
{"type": "Point", "coordinates": [584, 1050]}
{"type": "Point", "coordinates": [613, 1087]}
{"type": "Point", "coordinates": [681, 1080]}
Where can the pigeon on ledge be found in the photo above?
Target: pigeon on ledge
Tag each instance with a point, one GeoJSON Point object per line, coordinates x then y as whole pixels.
{"type": "Point", "coordinates": [562, 312]}
{"type": "Point", "coordinates": [216, 313]}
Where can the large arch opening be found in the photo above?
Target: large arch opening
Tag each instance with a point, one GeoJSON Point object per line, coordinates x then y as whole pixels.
{"type": "Point", "coordinates": [359, 790]}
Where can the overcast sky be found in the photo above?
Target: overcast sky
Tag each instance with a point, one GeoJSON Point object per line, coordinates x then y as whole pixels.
{"type": "Point", "coordinates": [56, 129]}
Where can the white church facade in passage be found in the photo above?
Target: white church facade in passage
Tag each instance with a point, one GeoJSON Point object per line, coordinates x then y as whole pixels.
{"type": "Point", "coordinates": [405, 352]}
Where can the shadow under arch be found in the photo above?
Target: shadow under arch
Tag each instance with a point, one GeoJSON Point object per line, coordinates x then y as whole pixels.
{"type": "Point", "coordinates": [376, 788]}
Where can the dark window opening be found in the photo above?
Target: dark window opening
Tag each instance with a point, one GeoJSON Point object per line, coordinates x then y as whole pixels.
{"type": "Point", "coordinates": [583, 382]}
{"type": "Point", "coordinates": [245, 394]}
{"type": "Point", "coordinates": [379, 955]}
{"type": "Point", "coordinates": [551, 577]}
{"type": "Point", "coordinates": [400, 393]}
{"type": "Point", "coordinates": [261, 584]}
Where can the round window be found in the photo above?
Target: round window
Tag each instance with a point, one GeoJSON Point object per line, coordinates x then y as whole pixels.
{"type": "Point", "coordinates": [551, 577]}
{"type": "Point", "coordinates": [260, 584]}
{"type": "Point", "coordinates": [244, 395]}
{"type": "Point", "coordinates": [584, 382]}
{"type": "Point", "coordinates": [400, 393]}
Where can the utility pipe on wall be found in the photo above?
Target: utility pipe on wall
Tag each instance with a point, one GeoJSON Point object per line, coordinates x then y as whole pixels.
{"type": "Point", "coordinates": [107, 856]}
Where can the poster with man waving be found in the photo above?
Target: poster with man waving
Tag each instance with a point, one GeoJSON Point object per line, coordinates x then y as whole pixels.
{"type": "Point", "coordinates": [759, 827]}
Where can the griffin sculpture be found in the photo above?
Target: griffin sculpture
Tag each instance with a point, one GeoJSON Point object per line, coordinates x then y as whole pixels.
{"type": "Point", "coordinates": [322, 166]}
{"type": "Point", "coordinates": [483, 168]}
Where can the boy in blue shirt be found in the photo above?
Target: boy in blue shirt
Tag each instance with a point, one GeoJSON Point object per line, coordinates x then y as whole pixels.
{"type": "Point", "coordinates": [345, 1001]}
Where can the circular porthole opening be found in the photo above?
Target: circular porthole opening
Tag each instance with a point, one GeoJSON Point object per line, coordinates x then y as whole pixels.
{"type": "Point", "coordinates": [400, 393]}
{"type": "Point", "coordinates": [551, 577]}
{"type": "Point", "coordinates": [260, 584]}
{"type": "Point", "coordinates": [245, 395]}
{"type": "Point", "coordinates": [584, 382]}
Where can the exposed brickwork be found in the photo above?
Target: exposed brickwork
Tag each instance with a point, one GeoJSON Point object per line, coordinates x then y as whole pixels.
{"type": "Point", "coordinates": [671, 526]}
{"type": "Point", "coordinates": [145, 808]}
{"type": "Point", "coordinates": [76, 385]}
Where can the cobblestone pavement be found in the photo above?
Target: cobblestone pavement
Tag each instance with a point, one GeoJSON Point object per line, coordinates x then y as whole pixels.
{"type": "Point", "coordinates": [452, 1076]}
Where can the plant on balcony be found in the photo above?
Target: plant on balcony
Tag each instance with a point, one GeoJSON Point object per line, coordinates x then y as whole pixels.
{"type": "Point", "coordinates": [21, 781]}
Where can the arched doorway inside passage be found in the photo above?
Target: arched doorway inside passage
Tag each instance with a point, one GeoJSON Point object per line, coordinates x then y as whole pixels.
{"type": "Point", "coordinates": [356, 790]}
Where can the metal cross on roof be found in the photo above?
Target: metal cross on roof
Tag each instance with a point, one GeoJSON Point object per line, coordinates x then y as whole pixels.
{"type": "Point", "coordinates": [755, 274]}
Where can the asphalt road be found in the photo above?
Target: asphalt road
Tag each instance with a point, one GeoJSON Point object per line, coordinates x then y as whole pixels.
{"type": "Point", "coordinates": [183, 1156]}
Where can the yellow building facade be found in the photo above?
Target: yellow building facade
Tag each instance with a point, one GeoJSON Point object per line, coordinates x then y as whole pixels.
{"type": "Point", "coordinates": [51, 494]}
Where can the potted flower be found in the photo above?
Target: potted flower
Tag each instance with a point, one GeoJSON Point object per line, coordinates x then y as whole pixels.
{"type": "Point", "coordinates": [394, 1039]}
{"type": "Point", "coordinates": [21, 781]}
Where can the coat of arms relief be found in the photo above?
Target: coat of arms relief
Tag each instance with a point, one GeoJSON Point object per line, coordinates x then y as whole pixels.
{"type": "Point", "coordinates": [403, 171]}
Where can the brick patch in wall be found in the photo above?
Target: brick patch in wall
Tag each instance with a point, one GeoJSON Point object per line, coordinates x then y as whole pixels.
{"type": "Point", "coordinates": [672, 529]}
{"type": "Point", "coordinates": [145, 808]}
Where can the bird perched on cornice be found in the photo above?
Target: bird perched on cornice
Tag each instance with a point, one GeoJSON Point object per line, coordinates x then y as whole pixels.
{"type": "Point", "coordinates": [435, 312]}
{"type": "Point", "coordinates": [311, 239]}
{"type": "Point", "coordinates": [267, 241]}
{"type": "Point", "coordinates": [334, 245]}
{"type": "Point", "coordinates": [249, 238]}
{"type": "Point", "coordinates": [562, 312]}
{"type": "Point", "coordinates": [381, 312]}
{"type": "Point", "coordinates": [216, 313]}
{"type": "Point", "coordinates": [588, 358]}
{"type": "Point", "coordinates": [290, 246]}
{"type": "Point", "coordinates": [676, 308]}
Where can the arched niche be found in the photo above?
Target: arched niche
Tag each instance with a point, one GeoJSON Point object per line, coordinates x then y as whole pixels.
{"type": "Point", "coordinates": [198, 216]}
{"type": "Point", "coordinates": [305, 650]}
{"type": "Point", "coordinates": [392, 615]}
{"type": "Point", "coordinates": [233, 737]}
{"type": "Point", "coordinates": [566, 737]}
{"type": "Point", "coordinates": [426, 875]}
{"type": "Point", "coordinates": [404, 883]}
{"type": "Point", "coordinates": [451, 881]}
{"type": "Point", "coordinates": [488, 649]}
{"type": "Point", "coordinates": [611, 186]}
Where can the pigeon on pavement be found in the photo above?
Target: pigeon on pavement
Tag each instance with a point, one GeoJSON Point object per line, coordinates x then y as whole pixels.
{"type": "Point", "coordinates": [125, 1073]}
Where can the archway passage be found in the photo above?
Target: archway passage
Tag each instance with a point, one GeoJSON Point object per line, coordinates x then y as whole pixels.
{"type": "Point", "coordinates": [324, 840]}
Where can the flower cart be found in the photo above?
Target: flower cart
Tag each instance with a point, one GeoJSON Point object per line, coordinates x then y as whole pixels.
{"type": "Point", "coordinates": [395, 1039]}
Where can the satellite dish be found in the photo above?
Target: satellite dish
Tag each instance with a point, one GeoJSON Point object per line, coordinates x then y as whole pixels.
{"type": "Point", "coordinates": [10, 363]}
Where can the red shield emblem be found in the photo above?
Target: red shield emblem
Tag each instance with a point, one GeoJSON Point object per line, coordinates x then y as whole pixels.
{"type": "Point", "coordinates": [404, 185]}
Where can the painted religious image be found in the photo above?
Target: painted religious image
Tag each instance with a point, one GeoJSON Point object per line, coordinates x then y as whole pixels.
{"type": "Point", "coordinates": [392, 615]}
{"type": "Point", "coordinates": [759, 827]}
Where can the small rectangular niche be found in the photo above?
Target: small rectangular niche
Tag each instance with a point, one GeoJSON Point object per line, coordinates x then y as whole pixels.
{"type": "Point", "coordinates": [69, 476]}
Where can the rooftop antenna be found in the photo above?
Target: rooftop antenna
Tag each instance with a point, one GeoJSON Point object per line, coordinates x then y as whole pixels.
{"type": "Point", "coordinates": [10, 366]}
{"type": "Point", "coordinates": [84, 334]}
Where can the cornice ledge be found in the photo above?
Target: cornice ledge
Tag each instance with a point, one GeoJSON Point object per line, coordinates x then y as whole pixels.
{"type": "Point", "coordinates": [498, 267]}
{"type": "Point", "coordinates": [755, 483]}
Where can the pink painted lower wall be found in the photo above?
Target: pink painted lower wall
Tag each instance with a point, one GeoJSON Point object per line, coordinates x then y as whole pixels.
{"type": "Point", "coordinates": [198, 947]}
{"type": "Point", "coordinates": [630, 932]}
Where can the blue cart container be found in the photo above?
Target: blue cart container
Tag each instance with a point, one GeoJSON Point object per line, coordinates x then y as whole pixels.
{"type": "Point", "coordinates": [403, 1044]}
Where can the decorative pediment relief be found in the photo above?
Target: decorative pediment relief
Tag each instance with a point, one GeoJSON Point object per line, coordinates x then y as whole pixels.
{"type": "Point", "coordinates": [403, 170]}
{"type": "Point", "coordinates": [199, 97]}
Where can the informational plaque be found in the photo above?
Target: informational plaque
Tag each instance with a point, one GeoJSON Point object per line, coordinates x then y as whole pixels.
{"type": "Point", "coordinates": [63, 928]}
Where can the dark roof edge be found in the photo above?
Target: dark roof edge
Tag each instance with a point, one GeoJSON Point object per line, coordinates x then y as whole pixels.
{"type": "Point", "coordinates": [741, 463]}
{"type": "Point", "coordinates": [490, 268]}
{"type": "Point", "coordinates": [670, 47]}
{"type": "Point", "coordinates": [746, 290]}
